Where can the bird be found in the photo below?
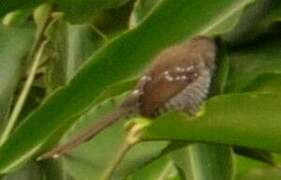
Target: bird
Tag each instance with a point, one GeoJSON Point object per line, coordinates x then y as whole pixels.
{"type": "Point", "coordinates": [178, 79]}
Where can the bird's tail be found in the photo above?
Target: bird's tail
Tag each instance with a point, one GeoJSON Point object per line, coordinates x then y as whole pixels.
{"type": "Point", "coordinates": [85, 135]}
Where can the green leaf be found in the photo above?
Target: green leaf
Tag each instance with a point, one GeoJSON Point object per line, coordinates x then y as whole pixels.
{"type": "Point", "coordinates": [267, 82]}
{"type": "Point", "coordinates": [244, 165]}
{"type": "Point", "coordinates": [139, 155]}
{"type": "Point", "coordinates": [250, 120]}
{"type": "Point", "coordinates": [69, 46]}
{"type": "Point", "coordinates": [244, 31]}
{"type": "Point", "coordinates": [141, 10]}
{"type": "Point", "coordinates": [263, 156]}
{"type": "Point", "coordinates": [262, 15]}
{"type": "Point", "coordinates": [116, 89]}
{"type": "Point", "coordinates": [162, 168]}
{"type": "Point", "coordinates": [53, 170]}
{"type": "Point", "coordinates": [274, 15]}
{"type": "Point", "coordinates": [143, 169]}
{"type": "Point", "coordinates": [31, 171]}
{"type": "Point", "coordinates": [248, 63]}
{"type": "Point", "coordinates": [34, 98]}
{"type": "Point", "coordinates": [16, 18]}
{"type": "Point", "coordinates": [11, 5]}
{"type": "Point", "coordinates": [262, 174]}
{"type": "Point", "coordinates": [205, 161]}
{"type": "Point", "coordinates": [211, 162]}
{"type": "Point", "coordinates": [182, 161]}
{"type": "Point", "coordinates": [79, 11]}
{"type": "Point", "coordinates": [220, 78]}
{"type": "Point", "coordinates": [121, 59]}
{"type": "Point", "coordinates": [14, 45]}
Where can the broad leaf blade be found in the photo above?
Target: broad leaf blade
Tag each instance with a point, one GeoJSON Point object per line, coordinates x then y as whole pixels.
{"type": "Point", "coordinates": [248, 63]}
{"type": "Point", "coordinates": [250, 120]}
{"type": "Point", "coordinates": [162, 168]}
{"type": "Point", "coordinates": [211, 162]}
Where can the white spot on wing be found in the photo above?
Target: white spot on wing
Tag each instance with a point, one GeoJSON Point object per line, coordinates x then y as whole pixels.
{"type": "Point", "coordinates": [179, 69]}
{"type": "Point", "coordinates": [189, 68]}
{"type": "Point", "coordinates": [169, 78]}
{"type": "Point", "coordinates": [136, 92]}
{"type": "Point", "coordinates": [55, 156]}
{"type": "Point", "coordinates": [183, 78]}
{"type": "Point", "coordinates": [146, 78]}
{"type": "Point", "coordinates": [166, 73]}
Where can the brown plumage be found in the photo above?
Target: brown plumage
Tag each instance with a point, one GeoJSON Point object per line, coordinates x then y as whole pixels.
{"type": "Point", "coordinates": [178, 79]}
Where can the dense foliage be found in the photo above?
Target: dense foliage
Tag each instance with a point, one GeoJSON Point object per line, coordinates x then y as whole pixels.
{"type": "Point", "coordinates": [66, 63]}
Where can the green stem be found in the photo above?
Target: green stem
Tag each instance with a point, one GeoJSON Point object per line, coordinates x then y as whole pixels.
{"type": "Point", "coordinates": [36, 53]}
{"type": "Point", "coordinates": [100, 33]}
{"type": "Point", "coordinates": [23, 95]}
{"type": "Point", "coordinates": [132, 138]}
{"type": "Point", "coordinates": [165, 171]}
{"type": "Point", "coordinates": [126, 146]}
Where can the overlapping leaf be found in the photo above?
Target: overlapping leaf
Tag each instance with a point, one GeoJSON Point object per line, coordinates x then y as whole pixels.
{"type": "Point", "coordinates": [250, 119]}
